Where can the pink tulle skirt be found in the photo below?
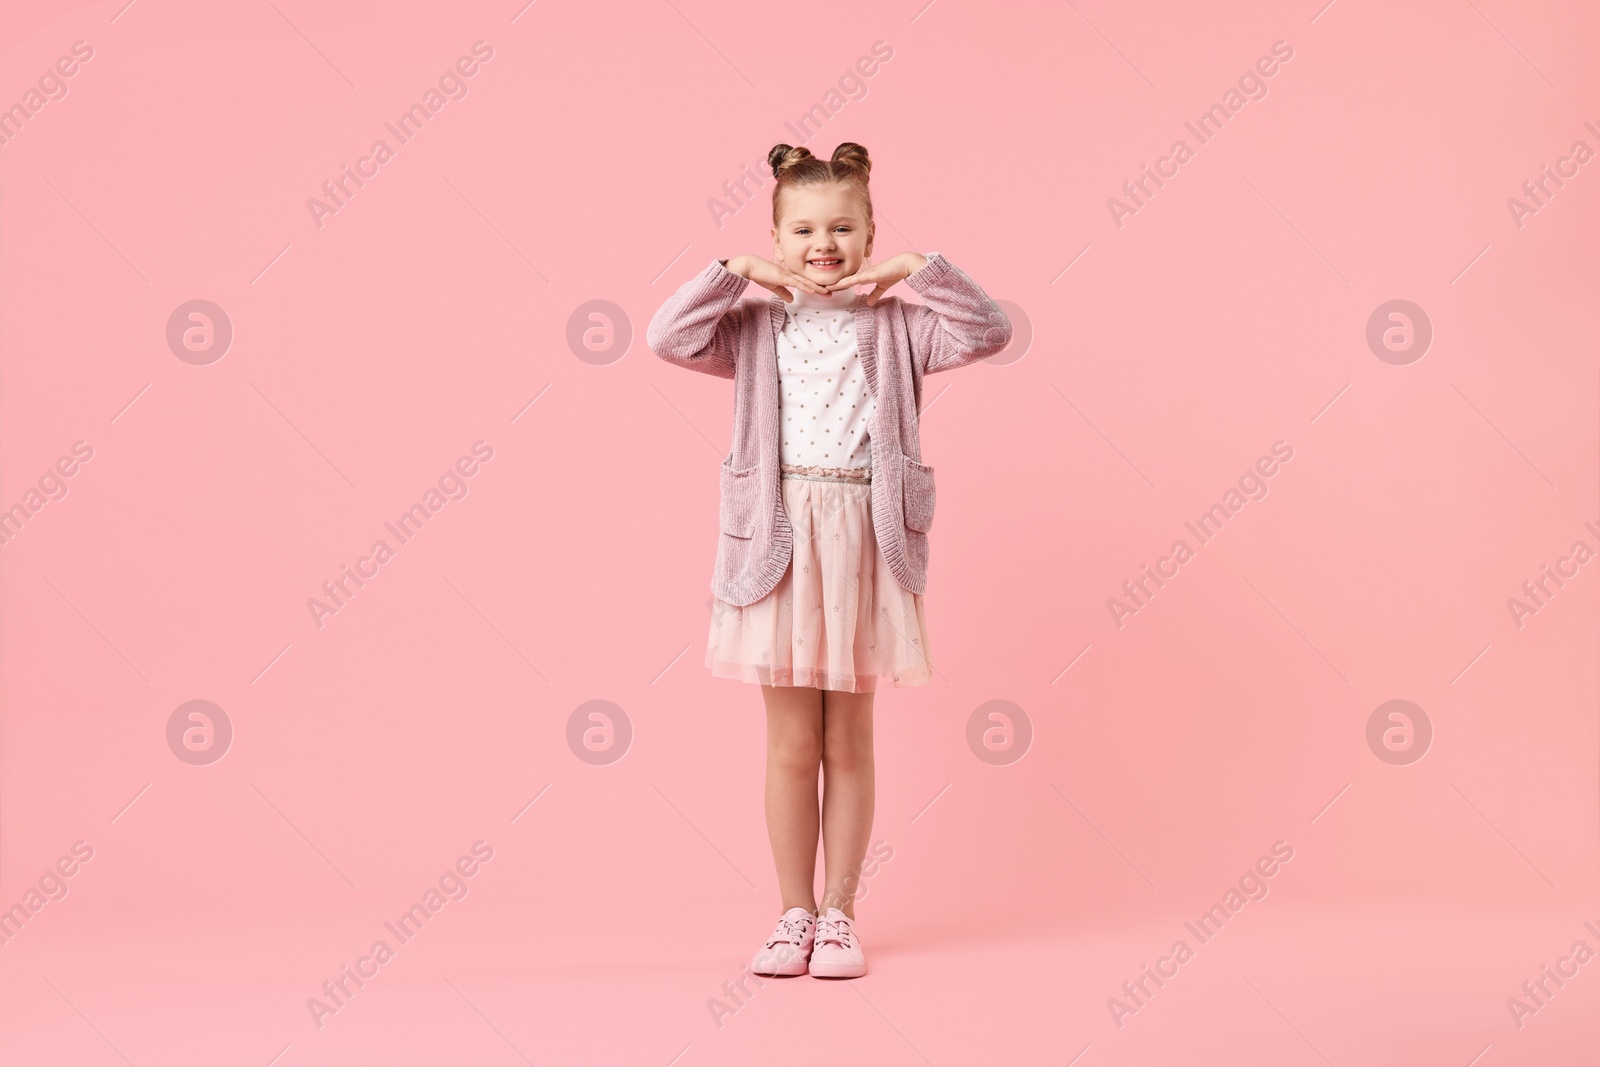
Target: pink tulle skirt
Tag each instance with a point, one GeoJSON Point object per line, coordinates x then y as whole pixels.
{"type": "Point", "coordinates": [837, 619]}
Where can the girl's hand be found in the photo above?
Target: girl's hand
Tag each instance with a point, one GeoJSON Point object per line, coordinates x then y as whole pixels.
{"type": "Point", "coordinates": [774, 276]}
{"type": "Point", "coordinates": [885, 274]}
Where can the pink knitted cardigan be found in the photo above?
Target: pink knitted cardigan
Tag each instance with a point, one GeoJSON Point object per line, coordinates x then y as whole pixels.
{"type": "Point", "coordinates": [706, 327]}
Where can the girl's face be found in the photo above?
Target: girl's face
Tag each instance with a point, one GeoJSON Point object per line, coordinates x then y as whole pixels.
{"type": "Point", "coordinates": [824, 234]}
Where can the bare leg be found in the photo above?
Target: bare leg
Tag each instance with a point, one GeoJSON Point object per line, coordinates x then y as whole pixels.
{"type": "Point", "coordinates": [794, 755]}
{"type": "Point", "coordinates": [847, 794]}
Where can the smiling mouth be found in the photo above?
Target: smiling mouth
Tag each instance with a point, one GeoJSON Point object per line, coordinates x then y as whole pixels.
{"type": "Point", "coordinates": [826, 264]}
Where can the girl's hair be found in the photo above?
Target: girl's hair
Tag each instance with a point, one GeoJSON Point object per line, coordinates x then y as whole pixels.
{"type": "Point", "coordinates": [798, 167]}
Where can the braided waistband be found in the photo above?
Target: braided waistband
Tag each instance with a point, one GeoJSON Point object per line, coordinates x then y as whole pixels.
{"type": "Point", "coordinates": [860, 475]}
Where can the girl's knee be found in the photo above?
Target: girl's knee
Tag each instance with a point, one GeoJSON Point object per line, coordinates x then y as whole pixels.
{"type": "Point", "coordinates": [845, 751]}
{"type": "Point", "coordinates": [797, 751]}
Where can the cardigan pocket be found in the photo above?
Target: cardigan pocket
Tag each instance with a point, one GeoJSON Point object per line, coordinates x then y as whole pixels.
{"type": "Point", "coordinates": [736, 511]}
{"type": "Point", "coordinates": [917, 494]}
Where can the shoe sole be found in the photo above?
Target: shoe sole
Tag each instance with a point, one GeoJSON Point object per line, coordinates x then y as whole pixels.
{"type": "Point", "coordinates": [782, 970]}
{"type": "Point", "coordinates": [838, 970]}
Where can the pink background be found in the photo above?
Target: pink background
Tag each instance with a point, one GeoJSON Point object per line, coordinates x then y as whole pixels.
{"type": "Point", "coordinates": [369, 354]}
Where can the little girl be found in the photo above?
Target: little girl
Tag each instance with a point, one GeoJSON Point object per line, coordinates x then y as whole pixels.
{"type": "Point", "coordinates": [824, 511]}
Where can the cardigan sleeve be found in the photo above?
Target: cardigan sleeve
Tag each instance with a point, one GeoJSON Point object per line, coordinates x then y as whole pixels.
{"type": "Point", "coordinates": [698, 326]}
{"type": "Point", "coordinates": [958, 323]}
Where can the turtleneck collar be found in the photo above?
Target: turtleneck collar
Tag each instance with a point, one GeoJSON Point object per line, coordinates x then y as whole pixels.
{"type": "Point", "coordinates": [844, 300]}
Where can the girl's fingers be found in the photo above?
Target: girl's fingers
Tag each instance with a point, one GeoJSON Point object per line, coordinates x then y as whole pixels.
{"type": "Point", "coordinates": [793, 278]}
{"type": "Point", "coordinates": [870, 276]}
{"type": "Point", "coordinates": [805, 283]}
{"type": "Point", "coordinates": [776, 288]}
{"type": "Point", "coordinates": [865, 276]}
{"type": "Point", "coordinates": [872, 297]}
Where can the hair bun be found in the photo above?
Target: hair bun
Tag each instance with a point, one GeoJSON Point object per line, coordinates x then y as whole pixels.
{"type": "Point", "coordinates": [850, 154]}
{"type": "Point", "coordinates": [783, 156]}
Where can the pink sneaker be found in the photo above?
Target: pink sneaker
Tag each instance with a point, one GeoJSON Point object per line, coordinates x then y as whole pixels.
{"type": "Point", "coordinates": [789, 947]}
{"type": "Point", "coordinates": [837, 952]}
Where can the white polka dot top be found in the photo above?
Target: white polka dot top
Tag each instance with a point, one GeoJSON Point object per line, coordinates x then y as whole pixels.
{"type": "Point", "coordinates": [824, 404]}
